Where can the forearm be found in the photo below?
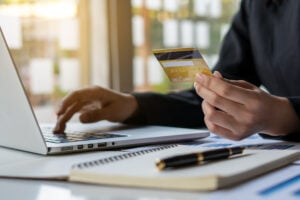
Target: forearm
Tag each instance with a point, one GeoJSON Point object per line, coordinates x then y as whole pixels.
{"type": "Point", "coordinates": [290, 120]}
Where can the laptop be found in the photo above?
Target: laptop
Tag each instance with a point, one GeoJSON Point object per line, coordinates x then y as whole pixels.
{"type": "Point", "coordinates": [20, 129]}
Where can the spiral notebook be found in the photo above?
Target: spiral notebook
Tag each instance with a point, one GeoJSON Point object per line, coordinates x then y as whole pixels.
{"type": "Point", "coordinates": [137, 169]}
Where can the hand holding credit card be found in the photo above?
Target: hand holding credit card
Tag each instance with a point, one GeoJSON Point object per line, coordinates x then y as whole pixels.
{"type": "Point", "coordinates": [181, 64]}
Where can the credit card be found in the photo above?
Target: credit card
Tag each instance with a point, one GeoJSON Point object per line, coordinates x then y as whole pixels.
{"type": "Point", "coordinates": [181, 64]}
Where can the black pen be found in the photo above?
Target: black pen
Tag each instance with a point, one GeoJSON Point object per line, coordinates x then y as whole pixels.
{"type": "Point", "coordinates": [197, 157]}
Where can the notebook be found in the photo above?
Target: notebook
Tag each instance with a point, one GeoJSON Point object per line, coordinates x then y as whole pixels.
{"type": "Point", "coordinates": [138, 169]}
{"type": "Point", "coordinates": [21, 130]}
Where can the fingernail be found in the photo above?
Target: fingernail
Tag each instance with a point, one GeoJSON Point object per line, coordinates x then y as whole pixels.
{"type": "Point", "coordinates": [217, 74]}
{"type": "Point", "coordinates": [200, 78]}
{"type": "Point", "coordinates": [196, 85]}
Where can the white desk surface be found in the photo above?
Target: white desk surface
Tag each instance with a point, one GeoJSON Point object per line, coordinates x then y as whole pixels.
{"type": "Point", "coordinates": [275, 183]}
{"type": "Point", "coordinates": [279, 184]}
{"type": "Point", "coordinates": [260, 188]}
{"type": "Point", "coordinates": [44, 190]}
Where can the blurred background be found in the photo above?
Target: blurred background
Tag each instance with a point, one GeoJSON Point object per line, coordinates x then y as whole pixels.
{"type": "Point", "coordinates": [62, 45]}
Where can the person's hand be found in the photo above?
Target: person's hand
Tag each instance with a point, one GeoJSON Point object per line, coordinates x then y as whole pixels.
{"type": "Point", "coordinates": [95, 104]}
{"type": "Point", "coordinates": [237, 109]}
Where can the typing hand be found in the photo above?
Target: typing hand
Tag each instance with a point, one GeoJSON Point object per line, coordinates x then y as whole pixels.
{"type": "Point", "coordinates": [237, 109]}
{"type": "Point", "coordinates": [95, 104]}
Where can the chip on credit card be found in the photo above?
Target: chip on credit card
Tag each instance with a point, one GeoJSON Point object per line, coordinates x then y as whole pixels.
{"type": "Point", "coordinates": [181, 64]}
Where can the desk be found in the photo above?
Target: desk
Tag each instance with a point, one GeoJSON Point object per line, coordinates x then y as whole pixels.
{"type": "Point", "coordinates": [44, 190]}
{"type": "Point", "coordinates": [59, 190]}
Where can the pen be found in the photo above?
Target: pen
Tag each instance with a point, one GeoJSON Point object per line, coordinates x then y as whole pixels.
{"type": "Point", "coordinates": [197, 157]}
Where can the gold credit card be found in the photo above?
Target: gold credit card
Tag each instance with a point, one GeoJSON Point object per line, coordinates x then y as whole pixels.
{"type": "Point", "coordinates": [182, 64]}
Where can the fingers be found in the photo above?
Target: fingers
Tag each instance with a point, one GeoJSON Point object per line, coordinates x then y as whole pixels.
{"type": "Point", "coordinates": [218, 130]}
{"type": "Point", "coordinates": [87, 94]}
{"type": "Point", "coordinates": [93, 103]}
{"type": "Point", "coordinates": [223, 88]}
{"type": "Point", "coordinates": [219, 102]}
{"type": "Point", "coordinates": [242, 106]}
{"type": "Point", "coordinates": [218, 117]}
{"type": "Point", "coordinates": [66, 116]}
{"type": "Point", "coordinates": [220, 123]}
{"type": "Point", "coordinates": [74, 102]}
{"type": "Point", "coordinates": [91, 116]}
{"type": "Point", "coordinates": [88, 115]}
{"type": "Point", "coordinates": [218, 74]}
{"type": "Point", "coordinates": [240, 83]}
{"type": "Point", "coordinates": [67, 102]}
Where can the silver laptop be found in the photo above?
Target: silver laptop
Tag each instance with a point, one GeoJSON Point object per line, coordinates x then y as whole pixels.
{"type": "Point", "coordinates": [20, 130]}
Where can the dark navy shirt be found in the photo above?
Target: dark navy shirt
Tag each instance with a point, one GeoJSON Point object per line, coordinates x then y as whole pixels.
{"type": "Point", "coordinates": [261, 47]}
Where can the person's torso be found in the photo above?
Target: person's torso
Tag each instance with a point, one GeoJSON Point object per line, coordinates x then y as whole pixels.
{"type": "Point", "coordinates": [275, 41]}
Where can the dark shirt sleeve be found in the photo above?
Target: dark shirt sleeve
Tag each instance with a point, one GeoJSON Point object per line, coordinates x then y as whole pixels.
{"type": "Point", "coordinates": [179, 109]}
{"type": "Point", "coordinates": [296, 103]}
{"type": "Point", "coordinates": [236, 58]}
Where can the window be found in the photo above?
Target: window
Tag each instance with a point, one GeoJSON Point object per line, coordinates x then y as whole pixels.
{"type": "Point", "coordinates": [44, 38]}
{"type": "Point", "coordinates": [176, 23]}
{"type": "Point", "coordinates": [63, 45]}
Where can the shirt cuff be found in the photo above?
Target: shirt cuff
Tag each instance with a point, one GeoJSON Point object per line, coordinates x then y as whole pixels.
{"type": "Point", "coordinates": [138, 118]}
{"type": "Point", "coordinates": [295, 101]}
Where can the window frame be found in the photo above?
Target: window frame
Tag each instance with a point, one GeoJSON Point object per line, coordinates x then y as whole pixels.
{"type": "Point", "coordinates": [110, 46]}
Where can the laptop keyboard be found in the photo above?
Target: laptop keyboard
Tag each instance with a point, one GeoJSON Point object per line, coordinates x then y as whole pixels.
{"type": "Point", "coordinates": [75, 136]}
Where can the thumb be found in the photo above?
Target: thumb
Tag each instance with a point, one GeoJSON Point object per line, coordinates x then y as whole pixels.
{"type": "Point", "coordinates": [218, 74]}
